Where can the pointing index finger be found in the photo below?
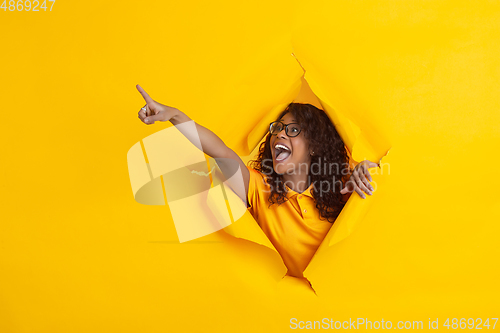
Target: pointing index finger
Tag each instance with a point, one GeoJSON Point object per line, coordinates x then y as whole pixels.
{"type": "Point", "coordinates": [144, 94]}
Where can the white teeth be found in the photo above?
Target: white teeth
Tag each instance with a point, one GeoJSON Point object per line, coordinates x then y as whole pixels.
{"type": "Point", "coordinates": [282, 146]}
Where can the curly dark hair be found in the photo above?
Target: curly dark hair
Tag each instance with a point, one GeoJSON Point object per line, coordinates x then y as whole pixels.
{"type": "Point", "coordinates": [328, 148]}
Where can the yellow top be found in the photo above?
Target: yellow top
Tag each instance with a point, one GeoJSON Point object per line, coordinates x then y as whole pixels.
{"type": "Point", "coordinates": [294, 227]}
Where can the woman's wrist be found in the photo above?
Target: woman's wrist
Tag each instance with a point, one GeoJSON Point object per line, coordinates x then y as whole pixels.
{"type": "Point", "coordinates": [179, 117]}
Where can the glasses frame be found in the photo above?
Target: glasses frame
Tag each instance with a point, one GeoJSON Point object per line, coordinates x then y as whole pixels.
{"type": "Point", "coordinates": [286, 128]}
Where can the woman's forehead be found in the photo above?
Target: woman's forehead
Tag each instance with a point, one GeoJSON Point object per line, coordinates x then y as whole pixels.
{"type": "Point", "coordinates": [288, 117]}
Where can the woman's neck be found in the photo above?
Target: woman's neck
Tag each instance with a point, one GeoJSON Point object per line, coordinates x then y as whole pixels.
{"type": "Point", "coordinates": [297, 182]}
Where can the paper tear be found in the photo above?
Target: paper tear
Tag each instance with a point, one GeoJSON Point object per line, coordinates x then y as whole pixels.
{"type": "Point", "coordinates": [299, 63]}
{"type": "Point", "coordinates": [223, 206]}
{"type": "Point", "coordinates": [311, 286]}
{"type": "Point", "coordinates": [380, 160]}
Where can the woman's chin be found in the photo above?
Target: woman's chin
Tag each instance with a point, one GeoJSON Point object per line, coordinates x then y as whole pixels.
{"type": "Point", "coordinates": [280, 168]}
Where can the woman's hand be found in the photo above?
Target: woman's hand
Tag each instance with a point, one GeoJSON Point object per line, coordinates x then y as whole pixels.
{"type": "Point", "coordinates": [154, 110]}
{"type": "Point", "coordinates": [358, 181]}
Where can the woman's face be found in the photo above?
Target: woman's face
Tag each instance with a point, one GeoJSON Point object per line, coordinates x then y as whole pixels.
{"type": "Point", "coordinates": [295, 160]}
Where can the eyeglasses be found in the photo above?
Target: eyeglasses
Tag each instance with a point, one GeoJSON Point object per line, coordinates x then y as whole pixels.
{"type": "Point", "coordinates": [292, 129]}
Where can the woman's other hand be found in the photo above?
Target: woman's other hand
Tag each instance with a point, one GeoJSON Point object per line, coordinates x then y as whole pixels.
{"type": "Point", "coordinates": [360, 179]}
{"type": "Point", "coordinates": [154, 111]}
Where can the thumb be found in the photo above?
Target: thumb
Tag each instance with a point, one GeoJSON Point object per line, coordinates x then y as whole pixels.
{"type": "Point", "coordinates": [152, 119]}
{"type": "Point", "coordinates": [346, 189]}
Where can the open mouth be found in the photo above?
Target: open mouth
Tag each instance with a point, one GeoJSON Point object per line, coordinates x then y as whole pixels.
{"type": "Point", "coordinates": [281, 152]}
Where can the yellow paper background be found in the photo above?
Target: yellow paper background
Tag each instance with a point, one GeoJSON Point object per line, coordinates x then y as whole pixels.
{"type": "Point", "coordinates": [78, 253]}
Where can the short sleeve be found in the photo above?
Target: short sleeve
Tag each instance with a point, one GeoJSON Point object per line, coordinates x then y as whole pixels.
{"type": "Point", "coordinates": [254, 184]}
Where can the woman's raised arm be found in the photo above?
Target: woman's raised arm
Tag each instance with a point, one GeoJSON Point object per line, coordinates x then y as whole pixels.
{"type": "Point", "coordinates": [211, 144]}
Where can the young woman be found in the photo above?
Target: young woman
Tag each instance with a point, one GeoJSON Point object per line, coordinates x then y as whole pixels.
{"type": "Point", "coordinates": [299, 182]}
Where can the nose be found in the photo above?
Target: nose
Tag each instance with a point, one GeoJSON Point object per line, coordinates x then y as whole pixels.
{"type": "Point", "coordinates": [282, 133]}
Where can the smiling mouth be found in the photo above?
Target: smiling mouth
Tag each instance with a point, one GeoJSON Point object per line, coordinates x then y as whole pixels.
{"type": "Point", "coordinates": [282, 154]}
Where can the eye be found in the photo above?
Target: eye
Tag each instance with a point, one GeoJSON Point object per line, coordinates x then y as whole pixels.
{"type": "Point", "coordinates": [275, 128]}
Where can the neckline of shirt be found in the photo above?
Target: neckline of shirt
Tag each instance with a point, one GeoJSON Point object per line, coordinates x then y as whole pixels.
{"type": "Point", "coordinates": [291, 193]}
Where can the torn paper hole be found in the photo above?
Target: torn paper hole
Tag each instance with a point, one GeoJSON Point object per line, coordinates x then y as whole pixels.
{"type": "Point", "coordinates": [203, 201]}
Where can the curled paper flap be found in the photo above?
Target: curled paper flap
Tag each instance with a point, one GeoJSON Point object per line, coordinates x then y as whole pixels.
{"type": "Point", "coordinates": [171, 167]}
{"type": "Point", "coordinates": [244, 225]}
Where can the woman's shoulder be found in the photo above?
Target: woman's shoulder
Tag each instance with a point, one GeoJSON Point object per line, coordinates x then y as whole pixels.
{"type": "Point", "coordinates": [250, 168]}
{"type": "Point", "coordinates": [256, 175]}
